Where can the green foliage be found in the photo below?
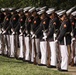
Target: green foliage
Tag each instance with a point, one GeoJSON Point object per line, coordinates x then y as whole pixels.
{"type": "Point", "coordinates": [9, 66]}
{"type": "Point", "coordinates": [64, 4]}
{"type": "Point", "coordinates": [67, 4]}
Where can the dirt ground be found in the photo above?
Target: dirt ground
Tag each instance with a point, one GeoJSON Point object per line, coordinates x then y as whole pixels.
{"type": "Point", "coordinates": [72, 70]}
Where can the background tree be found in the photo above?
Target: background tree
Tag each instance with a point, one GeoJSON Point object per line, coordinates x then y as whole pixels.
{"type": "Point", "coordinates": [60, 4]}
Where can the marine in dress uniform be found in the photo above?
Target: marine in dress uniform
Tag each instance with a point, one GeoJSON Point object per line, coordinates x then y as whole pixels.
{"type": "Point", "coordinates": [27, 40]}
{"type": "Point", "coordinates": [41, 31]}
{"type": "Point", "coordinates": [14, 31]}
{"type": "Point", "coordinates": [31, 33]}
{"type": "Point", "coordinates": [35, 39]}
{"type": "Point", "coordinates": [61, 38]}
{"type": "Point", "coordinates": [21, 36]}
{"type": "Point", "coordinates": [73, 34]}
{"type": "Point", "coordinates": [6, 32]}
{"type": "Point", "coordinates": [1, 22]}
{"type": "Point", "coordinates": [69, 35]}
{"type": "Point", "coordinates": [54, 25]}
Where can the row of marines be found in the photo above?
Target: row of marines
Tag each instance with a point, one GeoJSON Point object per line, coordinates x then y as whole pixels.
{"type": "Point", "coordinates": [42, 36]}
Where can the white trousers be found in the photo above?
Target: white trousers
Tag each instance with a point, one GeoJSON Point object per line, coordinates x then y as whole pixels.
{"type": "Point", "coordinates": [5, 44]}
{"type": "Point", "coordinates": [43, 49]}
{"type": "Point", "coordinates": [53, 53]}
{"type": "Point", "coordinates": [8, 42]}
{"type": "Point", "coordinates": [37, 42]}
{"type": "Point", "coordinates": [21, 46]}
{"type": "Point", "coordinates": [27, 45]}
{"type": "Point", "coordinates": [75, 54]}
{"type": "Point", "coordinates": [0, 44]}
{"type": "Point", "coordinates": [12, 45]}
{"type": "Point", "coordinates": [64, 57]}
{"type": "Point", "coordinates": [33, 53]}
{"type": "Point", "coordinates": [75, 60]}
{"type": "Point", "coordinates": [72, 52]}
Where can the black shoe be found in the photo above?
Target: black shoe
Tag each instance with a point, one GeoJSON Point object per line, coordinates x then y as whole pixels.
{"type": "Point", "coordinates": [41, 65]}
{"type": "Point", "coordinates": [26, 61]}
{"type": "Point", "coordinates": [0, 54]}
{"type": "Point", "coordinates": [20, 58]}
{"type": "Point", "coordinates": [11, 57]}
{"type": "Point", "coordinates": [62, 70]}
{"type": "Point", "coordinates": [51, 66]}
{"type": "Point", "coordinates": [17, 58]}
{"type": "Point", "coordinates": [31, 62]}
{"type": "Point", "coordinates": [59, 69]}
{"type": "Point", "coordinates": [74, 64]}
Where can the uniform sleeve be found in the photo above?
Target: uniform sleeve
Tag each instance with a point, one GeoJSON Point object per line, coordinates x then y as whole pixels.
{"type": "Point", "coordinates": [51, 30]}
{"type": "Point", "coordinates": [6, 22]}
{"type": "Point", "coordinates": [62, 32]}
{"type": "Point", "coordinates": [17, 27]}
{"type": "Point", "coordinates": [35, 25]}
{"type": "Point", "coordinates": [39, 30]}
{"type": "Point", "coordinates": [43, 26]}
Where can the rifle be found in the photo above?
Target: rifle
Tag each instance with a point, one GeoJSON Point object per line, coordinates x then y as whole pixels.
{"type": "Point", "coordinates": [15, 37]}
{"type": "Point", "coordinates": [5, 52]}
{"type": "Point", "coordinates": [33, 37]}
{"type": "Point", "coordinates": [35, 52]}
{"type": "Point", "coordinates": [48, 50]}
{"type": "Point", "coordinates": [73, 52]}
{"type": "Point", "coordinates": [58, 55]}
{"type": "Point", "coordinates": [0, 29]}
{"type": "Point", "coordinates": [1, 39]}
{"type": "Point", "coordinates": [73, 47]}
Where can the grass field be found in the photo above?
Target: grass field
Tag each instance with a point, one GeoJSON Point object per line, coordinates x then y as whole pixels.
{"type": "Point", "coordinates": [10, 66]}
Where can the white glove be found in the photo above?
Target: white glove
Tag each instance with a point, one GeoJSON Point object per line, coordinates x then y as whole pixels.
{"type": "Point", "coordinates": [73, 39]}
{"type": "Point", "coordinates": [13, 33]}
{"type": "Point", "coordinates": [31, 33]}
{"type": "Point", "coordinates": [26, 31]}
{"type": "Point", "coordinates": [4, 32]}
{"type": "Point", "coordinates": [71, 34]}
{"type": "Point", "coordinates": [56, 41]}
{"type": "Point", "coordinates": [44, 34]}
{"type": "Point", "coordinates": [20, 31]}
{"type": "Point", "coordinates": [0, 32]}
{"type": "Point", "coordinates": [12, 30]}
{"type": "Point", "coordinates": [27, 35]}
{"type": "Point", "coordinates": [2, 29]}
{"type": "Point", "coordinates": [44, 37]}
{"type": "Point", "coordinates": [54, 35]}
{"type": "Point", "coordinates": [21, 27]}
